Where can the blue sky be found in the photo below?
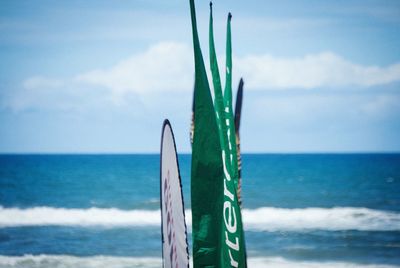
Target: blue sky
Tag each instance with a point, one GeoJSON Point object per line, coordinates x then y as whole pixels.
{"type": "Point", "coordinates": [100, 76]}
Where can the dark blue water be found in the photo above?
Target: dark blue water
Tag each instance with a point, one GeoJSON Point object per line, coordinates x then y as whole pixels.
{"type": "Point", "coordinates": [131, 182]}
{"type": "Point", "coordinates": [327, 180]}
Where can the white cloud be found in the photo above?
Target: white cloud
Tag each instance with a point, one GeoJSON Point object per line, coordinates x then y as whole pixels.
{"type": "Point", "coordinates": [167, 66]}
{"type": "Point", "coordinates": [312, 71]}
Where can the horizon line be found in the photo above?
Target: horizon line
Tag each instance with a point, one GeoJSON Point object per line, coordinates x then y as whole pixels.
{"type": "Point", "coordinates": [189, 153]}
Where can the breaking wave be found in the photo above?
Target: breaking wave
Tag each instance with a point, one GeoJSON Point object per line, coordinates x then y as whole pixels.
{"type": "Point", "coordinates": [260, 219]}
{"type": "Point", "coordinates": [66, 261]}
{"type": "Point", "coordinates": [81, 217]}
{"type": "Point", "coordinates": [333, 219]}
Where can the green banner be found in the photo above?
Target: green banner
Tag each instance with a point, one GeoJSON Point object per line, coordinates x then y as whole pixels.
{"type": "Point", "coordinates": [218, 239]}
{"type": "Point", "coordinates": [230, 122]}
{"type": "Point", "coordinates": [207, 168]}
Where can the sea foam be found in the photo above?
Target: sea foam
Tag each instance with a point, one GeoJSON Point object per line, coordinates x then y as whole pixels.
{"type": "Point", "coordinates": [337, 218]}
{"type": "Point", "coordinates": [66, 261]}
{"type": "Point", "coordinates": [260, 219]}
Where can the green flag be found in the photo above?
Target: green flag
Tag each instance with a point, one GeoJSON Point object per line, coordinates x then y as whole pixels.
{"type": "Point", "coordinates": [216, 217]}
{"type": "Point", "coordinates": [218, 97]}
{"type": "Point", "coordinates": [230, 122]}
{"type": "Point", "coordinates": [207, 168]}
{"type": "Point", "coordinates": [232, 254]}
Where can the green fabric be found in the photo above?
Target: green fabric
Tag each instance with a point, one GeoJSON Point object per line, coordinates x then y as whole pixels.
{"type": "Point", "coordinates": [218, 97]}
{"type": "Point", "coordinates": [207, 169]}
{"type": "Point", "coordinates": [217, 230]}
{"type": "Point", "coordinates": [228, 69]}
{"type": "Point", "coordinates": [228, 104]}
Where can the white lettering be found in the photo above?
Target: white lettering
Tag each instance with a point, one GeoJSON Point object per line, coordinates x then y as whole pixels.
{"type": "Point", "coordinates": [229, 213]}
{"type": "Point", "coordinates": [226, 173]}
{"type": "Point", "coordinates": [229, 140]}
{"type": "Point", "coordinates": [234, 246]}
{"type": "Point", "coordinates": [233, 262]}
{"type": "Point", "coordinates": [231, 223]}
{"type": "Point", "coordinates": [227, 193]}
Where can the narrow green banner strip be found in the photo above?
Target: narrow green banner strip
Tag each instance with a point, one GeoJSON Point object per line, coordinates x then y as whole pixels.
{"type": "Point", "coordinates": [230, 122]}
{"type": "Point", "coordinates": [207, 168]}
{"type": "Point", "coordinates": [219, 104]}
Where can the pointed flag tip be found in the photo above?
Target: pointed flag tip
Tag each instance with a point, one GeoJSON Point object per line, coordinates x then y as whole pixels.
{"type": "Point", "coordinates": [210, 4]}
{"type": "Point", "coordinates": [230, 15]}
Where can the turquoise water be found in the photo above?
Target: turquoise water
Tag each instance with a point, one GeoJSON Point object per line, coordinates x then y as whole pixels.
{"type": "Point", "coordinates": [300, 210]}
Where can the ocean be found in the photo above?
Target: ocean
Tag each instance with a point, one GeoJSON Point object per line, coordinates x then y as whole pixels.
{"type": "Point", "coordinates": [300, 210]}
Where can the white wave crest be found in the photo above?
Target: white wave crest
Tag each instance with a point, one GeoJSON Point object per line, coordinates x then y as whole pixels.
{"type": "Point", "coordinates": [261, 219]}
{"type": "Point", "coordinates": [82, 217]}
{"type": "Point", "coordinates": [278, 262]}
{"type": "Point", "coordinates": [65, 261]}
{"type": "Point", "coordinates": [333, 219]}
